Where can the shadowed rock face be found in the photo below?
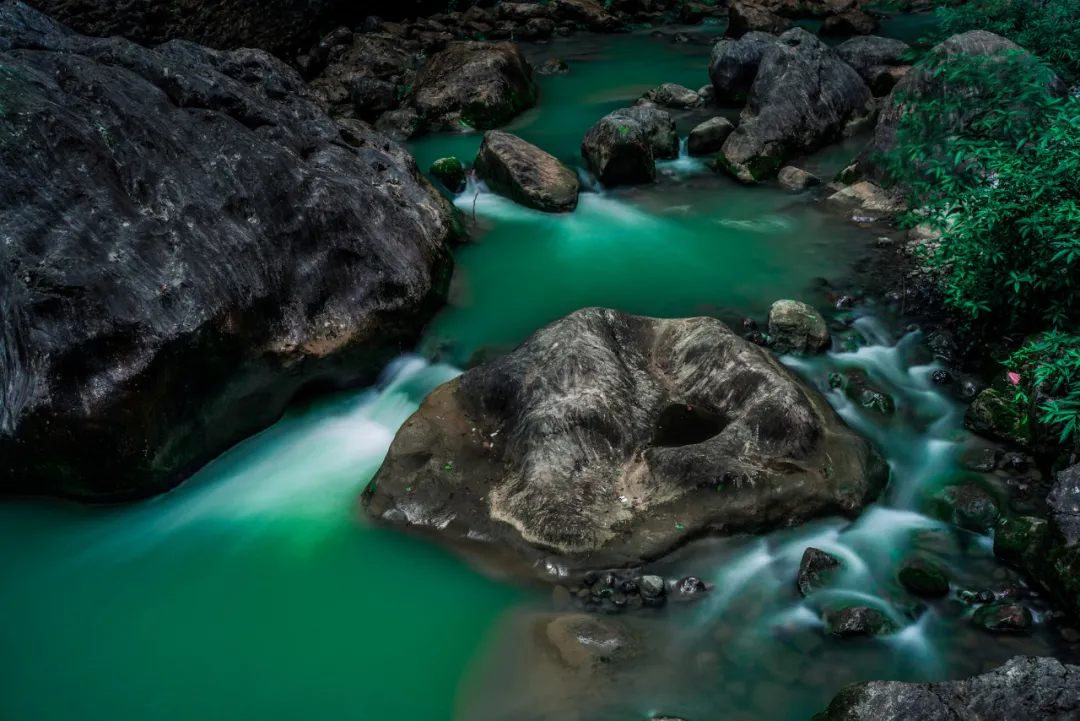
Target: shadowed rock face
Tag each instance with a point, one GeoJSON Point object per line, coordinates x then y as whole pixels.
{"type": "Point", "coordinates": [189, 243]}
{"type": "Point", "coordinates": [526, 174]}
{"type": "Point", "coordinates": [734, 65]}
{"type": "Point", "coordinates": [618, 151]}
{"type": "Point", "coordinates": [803, 97]}
{"type": "Point", "coordinates": [608, 440]}
{"type": "Point", "coordinates": [479, 84]}
{"type": "Point", "coordinates": [880, 62]}
{"type": "Point", "coordinates": [1028, 689]}
{"type": "Point", "coordinates": [922, 81]}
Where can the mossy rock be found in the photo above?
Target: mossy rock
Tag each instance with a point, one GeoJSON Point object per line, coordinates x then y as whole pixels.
{"type": "Point", "coordinates": [852, 621]}
{"type": "Point", "coordinates": [993, 415]}
{"type": "Point", "coordinates": [451, 173]}
{"type": "Point", "coordinates": [967, 504]}
{"type": "Point", "coordinates": [1016, 538]}
{"type": "Point", "coordinates": [1003, 618]}
{"type": "Point", "coordinates": [923, 579]}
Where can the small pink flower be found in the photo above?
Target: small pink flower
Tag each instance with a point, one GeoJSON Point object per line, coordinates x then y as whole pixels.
{"type": "Point", "coordinates": [1014, 378]}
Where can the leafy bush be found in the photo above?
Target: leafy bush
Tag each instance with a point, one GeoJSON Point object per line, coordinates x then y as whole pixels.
{"type": "Point", "coordinates": [1046, 372]}
{"type": "Point", "coordinates": [1048, 28]}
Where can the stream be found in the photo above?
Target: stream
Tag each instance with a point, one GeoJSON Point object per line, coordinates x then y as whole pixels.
{"type": "Point", "coordinates": [253, 590]}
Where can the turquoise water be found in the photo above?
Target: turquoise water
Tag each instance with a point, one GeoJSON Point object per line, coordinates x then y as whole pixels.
{"type": "Point", "coordinates": [255, 591]}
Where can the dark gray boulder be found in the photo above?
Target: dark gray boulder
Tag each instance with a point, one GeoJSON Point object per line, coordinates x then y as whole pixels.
{"type": "Point", "coordinates": [618, 151]}
{"type": "Point", "coordinates": [815, 571]}
{"type": "Point", "coordinates": [804, 96]}
{"type": "Point", "coordinates": [366, 57]}
{"type": "Point", "coordinates": [477, 84]}
{"type": "Point", "coordinates": [880, 62]}
{"type": "Point", "coordinates": [708, 137]}
{"type": "Point", "coordinates": [1024, 689]}
{"type": "Point", "coordinates": [733, 66]}
{"type": "Point", "coordinates": [372, 97]}
{"type": "Point", "coordinates": [923, 81]}
{"type": "Point", "coordinates": [607, 439]}
{"type": "Point", "coordinates": [589, 13]}
{"type": "Point", "coordinates": [658, 127]}
{"type": "Point", "coordinates": [673, 95]}
{"type": "Point", "coordinates": [796, 180]}
{"type": "Point", "coordinates": [279, 26]}
{"type": "Point", "coordinates": [190, 244]}
{"type": "Point", "coordinates": [745, 17]}
{"type": "Point", "coordinates": [850, 22]}
{"type": "Point", "coordinates": [526, 174]}
{"type": "Point", "coordinates": [854, 621]}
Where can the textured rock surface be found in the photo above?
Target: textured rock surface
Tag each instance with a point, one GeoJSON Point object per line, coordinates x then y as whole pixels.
{"type": "Point", "coordinates": [880, 62]}
{"type": "Point", "coordinates": [278, 26]}
{"type": "Point", "coordinates": [921, 80]}
{"type": "Point", "coordinates": [923, 578]}
{"type": "Point", "coordinates": [850, 22]}
{"type": "Point", "coordinates": [481, 85]}
{"type": "Point", "coordinates": [803, 97]}
{"type": "Point", "coordinates": [658, 126]}
{"type": "Point", "coordinates": [708, 137]}
{"type": "Point", "coordinates": [451, 173]}
{"type": "Point", "coordinates": [745, 17]}
{"type": "Point", "coordinates": [589, 13]}
{"type": "Point", "coordinates": [525, 173]}
{"type": "Point", "coordinates": [1024, 689]}
{"type": "Point", "coordinates": [1002, 618]}
{"type": "Point", "coordinates": [190, 243]}
{"type": "Point", "coordinates": [853, 621]}
{"type": "Point", "coordinates": [366, 56]}
{"type": "Point", "coordinates": [619, 150]}
{"type": "Point", "coordinates": [797, 328]}
{"type": "Point", "coordinates": [607, 439]}
{"type": "Point", "coordinates": [733, 66]}
{"type": "Point", "coordinates": [796, 180]}
{"type": "Point", "coordinates": [967, 505]}
{"type": "Point", "coordinates": [815, 570]}
{"type": "Point", "coordinates": [673, 95]}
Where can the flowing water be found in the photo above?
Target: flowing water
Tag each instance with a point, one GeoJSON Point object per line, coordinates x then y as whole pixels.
{"type": "Point", "coordinates": [254, 592]}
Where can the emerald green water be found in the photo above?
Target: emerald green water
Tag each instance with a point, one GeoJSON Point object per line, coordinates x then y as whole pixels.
{"type": "Point", "coordinates": [254, 591]}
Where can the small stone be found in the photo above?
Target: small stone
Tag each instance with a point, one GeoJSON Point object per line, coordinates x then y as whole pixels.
{"type": "Point", "coordinates": [796, 180]}
{"type": "Point", "coordinates": [923, 579]}
{"type": "Point", "coordinates": [851, 621]}
{"type": "Point", "coordinates": [984, 596]}
{"type": "Point", "coordinates": [628, 586]}
{"type": "Point", "coordinates": [1003, 618]}
{"type": "Point", "coordinates": [1013, 462]}
{"type": "Point", "coordinates": [690, 587]}
{"type": "Point", "coordinates": [942, 378]}
{"type": "Point", "coordinates": [552, 66]}
{"type": "Point", "coordinates": [815, 571]}
{"type": "Point", "coordinates": [651, 587]}
{"type": "Point", "coordinates": [749, 324]}
{"type": "Point", "coordinates": [796, 328]}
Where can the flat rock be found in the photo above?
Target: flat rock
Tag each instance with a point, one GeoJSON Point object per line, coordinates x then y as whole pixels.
{"type": "Point", "coordinates": [673, 95]}
{"type": "Point", "coordinates": [1024, 689]}
{"type": "Point", "coordinates": [607, 439]}
{"type": "Point", "coordinates": [235, 249]}
{"type": "Point", "coordinates": [880, 62]}
{"type": "Point", "coordinates": [526, 174]}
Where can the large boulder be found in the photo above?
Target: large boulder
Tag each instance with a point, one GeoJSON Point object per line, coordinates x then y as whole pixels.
{"type": "Point", "coordinates": [880, 62]}
{"type": "Point", "coordinates": [745, 17]}
{"type": "Point", "coordinates": [658, 126]}
{"type": "Point", "coordinates": [280, 26]}
{"type": "Point", "coordinates": [617, 150]}
{"type": "Point", "coordinates": [525, 173]}
{"type": "Point", "coordinates": [589, 13]}
{"type": "Point", "coordinates": [1025, 688]}
{"type": "Point", "coordinates": [851, 22]}
{"type": "Point", "coordinates": [607, 439]}
{"type": "Point", "coordinates": [190, 244]}
{"type": "Point", "coordinates": [804, 96]}
{"type": "Point", "coordinates": [477, 84]}
{"type": "Point", "coordinates": [366, 57]}
{"type": "Point", "coordinates": [929, 79]}
{"type": "Point", "coordinates": [734, 65]}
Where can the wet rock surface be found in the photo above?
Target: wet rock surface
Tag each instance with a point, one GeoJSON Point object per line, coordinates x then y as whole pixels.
{"type": "Point", "coordinates": [968, 505]}
{"type": "Point", "coordinates": [708, 137]}
{"type": "Point", "coordinates": [745, 17]}
{"type": "Point", "coordinates": [850, 22]}
{"type": "Point", "coordinates": [451, 173]}
{"type": "Point", "coordinates": [526, 174]}
{"type": "Point", "coordinates": [854, 621]}
{"type": "Point", "coordinates": [734, 64]}
{"type": "Point", "coordinates": [1002, 617]}
{"type": "Point", "coordinates": [237, 249]}
{"type": "Point", "coordinates": [618, 151]}
{"type": "Point", "coordinates": [803, 97]}
{"type": "Point", "coordinates": [923, 578]}
{"type": "Point", "coordinates": [815, 571]}
{"type": "Point", "coordinates": [797, 328]}
{"type": "Point", "coordinates": [1024, 688]}
{"type": "Point", "coordinates": [659, 129]}
{"type": "Point", "coordinates": [796, 180]}
{"type": "Point", "coordinates": [614, 438]}
{"type": "Point", "coordinates": [881, 62]}
{"type": "Point", "coordinates": [672, 95]}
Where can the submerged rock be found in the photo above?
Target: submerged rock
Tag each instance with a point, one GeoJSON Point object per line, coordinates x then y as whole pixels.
{"type": "Point", "coordinates": [553, 66]}
{"type": "Point", "coordinates": [992, 415]}
{"type": "Point", "coordinates": [451, 173]}
{"type": "Point", "coordinates": [526, 174]}
{"type": "Point", "coordinates": [881, 62]}
{"type": "Point", "coordinates": [708, 137]}
{"type": "Point", "coordinates": [734, 64]}
{"type": "Point", "coordinates": [796, 328]}
{"type": "Point", "coordinates": [1032, 689]}
{"type": "Point", "coordinates": [1003, 618]}
{"type": "Point", "coordinates": [586, 642]}
{"type": "Point", "coordinates": [745, 17]}
{"type": "Point", "coordinates": [672, 95]}
{"type": "Point", "coordinates": [796, 180]}
{"type": "Point", "coordinates": [851, 621]}
{"type": "Point", "coordinates": [618, 151]}
{"type": "Point", "coordinates": [815, 571]}
{"type": "Point", "coordinates": [803, 97]}
{"type": "Point", "coordinates": [607, 439]}
{"type": "Point", "coordinates": [1019, 540]}
{"type": "Point", "coordinates": [923, 579]}
{"type": "Point", "coordinates": [967, 505]}
{"type": "Point", "coordinates": [236, 249]}
{"type": "Point", "coordinates": [476, 84]}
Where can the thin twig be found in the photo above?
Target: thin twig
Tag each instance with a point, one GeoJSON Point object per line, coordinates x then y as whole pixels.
{"type": "Point", "coordinates": [474, 205]}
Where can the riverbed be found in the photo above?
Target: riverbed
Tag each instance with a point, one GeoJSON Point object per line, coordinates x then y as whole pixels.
{"type": "Point", "coordinates": [255, 591]}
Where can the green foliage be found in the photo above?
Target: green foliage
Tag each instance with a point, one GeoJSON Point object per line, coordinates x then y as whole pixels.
{"type": "Point", "coordinates": [1047, 370]}
{"type": "Point", "coordinates": [1048, 28]}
